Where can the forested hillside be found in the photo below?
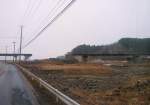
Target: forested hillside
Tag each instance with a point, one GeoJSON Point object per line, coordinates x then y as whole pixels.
{"type": "Point", "coordinates": [136, 44]}
{"type": "Point", "coordinates": [124, 45]}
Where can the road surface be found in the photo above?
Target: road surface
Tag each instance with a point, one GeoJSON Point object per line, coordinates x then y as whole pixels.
{"type": "Point", "coordinates": [14, 89]}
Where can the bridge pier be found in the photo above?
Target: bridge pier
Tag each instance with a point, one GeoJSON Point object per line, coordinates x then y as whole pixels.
{"type": "Point", "coordinates": [105, 56]}
{"type": "Point", "coordinates": [26, 58]}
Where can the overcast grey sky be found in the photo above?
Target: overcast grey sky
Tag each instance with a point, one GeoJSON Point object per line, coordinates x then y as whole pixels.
{"type": "Point", "coordinates": [85, 22]}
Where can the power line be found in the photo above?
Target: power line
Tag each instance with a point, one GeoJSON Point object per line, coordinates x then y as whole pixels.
{"type": "Point", "coordinates": [5, 46]}
{"type": "Point", "coordinates": [28, 11]}
{"type": "Point", "coordinates": [55, 18]}
{"type": "Point", "coordinates": [57, 2]}
{"type": "Point", "coordinates": [36, 7]}
{"type": "Point", "coordinates": [8, 38]}
{"type": "Point", "coordinates": [54, 9]}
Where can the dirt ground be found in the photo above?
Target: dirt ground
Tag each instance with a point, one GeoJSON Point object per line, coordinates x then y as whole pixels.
{"type": "Point", "coordinates": [98, 84]}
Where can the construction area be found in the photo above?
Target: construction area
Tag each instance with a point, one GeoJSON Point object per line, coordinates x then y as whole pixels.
{"type": "Point", "coordinates": [109, 83]}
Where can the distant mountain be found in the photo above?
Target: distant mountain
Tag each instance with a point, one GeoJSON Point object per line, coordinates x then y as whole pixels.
{"type": "Point", "coordinates": [124, 45]}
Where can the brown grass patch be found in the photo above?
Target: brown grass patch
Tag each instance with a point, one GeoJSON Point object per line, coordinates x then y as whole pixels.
{"type": "Point", "coordinates": [76, 69]}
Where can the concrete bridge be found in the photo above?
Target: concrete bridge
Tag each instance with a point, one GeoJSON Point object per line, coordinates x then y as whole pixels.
{"type": "Point", "coordinates": [26, 56]}
{"type": "Point", "coordinates": [84, 57]}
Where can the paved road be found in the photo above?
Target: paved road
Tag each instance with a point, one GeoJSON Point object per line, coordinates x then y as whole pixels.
{"type": "Point", "coordinates": [14, 89]}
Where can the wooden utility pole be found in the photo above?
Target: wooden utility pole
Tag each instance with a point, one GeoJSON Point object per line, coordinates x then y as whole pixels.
{"type": "Point", "coordinates": [20, 43]}
{"type": "Point", "coordinates": [14, 51]}
{"type": "Point", "coordinates": [6, 55]}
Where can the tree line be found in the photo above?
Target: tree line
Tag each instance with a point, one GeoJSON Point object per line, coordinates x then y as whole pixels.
{"type": "Point", "coordinates": [124, 45]}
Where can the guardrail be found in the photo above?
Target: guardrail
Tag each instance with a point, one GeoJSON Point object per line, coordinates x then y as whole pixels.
{"type": "Point", "coordinates": [65, 99]}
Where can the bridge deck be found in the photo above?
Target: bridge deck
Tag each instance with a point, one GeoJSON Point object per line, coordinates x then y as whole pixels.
{"type": "Point", "coordinates": [11, 54]}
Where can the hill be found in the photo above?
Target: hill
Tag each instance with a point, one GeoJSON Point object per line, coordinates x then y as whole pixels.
{"type": "Point", "coordinates": [124, 45]}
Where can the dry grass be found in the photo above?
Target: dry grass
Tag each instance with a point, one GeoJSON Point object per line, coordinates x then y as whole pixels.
{"type": "Point", "coordinates": [76, 69]}
{"type": "Point", "coordinates": [96, 84]}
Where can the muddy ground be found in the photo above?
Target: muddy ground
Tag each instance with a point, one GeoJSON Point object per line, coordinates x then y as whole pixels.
{"type": "Point", "coordinates": [96, 84]}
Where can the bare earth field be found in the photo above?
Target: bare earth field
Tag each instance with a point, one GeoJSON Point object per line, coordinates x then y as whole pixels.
{"type": "Point", "coordinates": [96, 84]}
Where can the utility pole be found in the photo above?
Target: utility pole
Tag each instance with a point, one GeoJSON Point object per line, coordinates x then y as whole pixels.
{"type": "Point", "coordinates": [6, 55]}
{"type": "Point", "coordinates": [20, 43]}
{"type": "Point", "coordinates": [14, 51]}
